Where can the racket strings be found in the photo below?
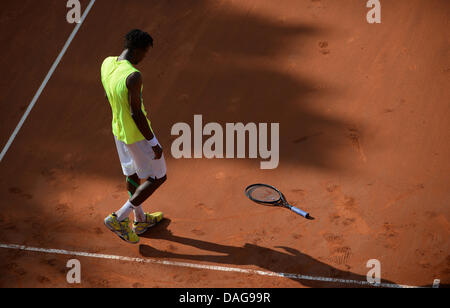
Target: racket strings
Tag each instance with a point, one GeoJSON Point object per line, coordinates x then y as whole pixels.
{"type": "Point", "coordinates": [264, 194]}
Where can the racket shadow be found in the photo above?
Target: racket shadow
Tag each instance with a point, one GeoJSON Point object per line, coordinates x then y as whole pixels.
{"type": "Point", "coordinates": [283, 260]}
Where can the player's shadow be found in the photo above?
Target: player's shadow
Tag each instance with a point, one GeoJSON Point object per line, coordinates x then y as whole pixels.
{"type": "Point", "coordinates": [289, 261]}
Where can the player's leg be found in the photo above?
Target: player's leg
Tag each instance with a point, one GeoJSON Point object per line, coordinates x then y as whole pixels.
{"type": "Point", "coordinates": [155, 176]}
{"type": "Point", "coordinates": [133, 183]}
{"type": "Point", "coordinates": [144, 221]}
{"type": "Point", "coordinates": [118, 221]}
{"type": "Point", "coordinates": [130, 171]}
{"type": "Point", "coordinates": [146, 189]}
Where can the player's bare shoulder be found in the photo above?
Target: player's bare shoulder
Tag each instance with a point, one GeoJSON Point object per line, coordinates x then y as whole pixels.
{"type": "Point", "coordinates": [134, 80]}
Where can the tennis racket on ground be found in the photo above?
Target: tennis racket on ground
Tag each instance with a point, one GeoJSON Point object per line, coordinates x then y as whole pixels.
{"type": "Point", "coordinates": [269, 195]}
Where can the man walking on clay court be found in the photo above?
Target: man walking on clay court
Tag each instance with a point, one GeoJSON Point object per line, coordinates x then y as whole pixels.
{"type": "Point", "coordinates": [139, 151]}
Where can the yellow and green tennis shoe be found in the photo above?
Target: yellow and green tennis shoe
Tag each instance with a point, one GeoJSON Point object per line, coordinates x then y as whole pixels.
{"type": "Point", "coordinates": [151, 220]}
{"type": "Point", "coordinates": [121, 228]}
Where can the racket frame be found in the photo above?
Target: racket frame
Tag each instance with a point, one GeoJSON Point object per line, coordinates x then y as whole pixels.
{"type": "Point", "coordinates": [280, 202]}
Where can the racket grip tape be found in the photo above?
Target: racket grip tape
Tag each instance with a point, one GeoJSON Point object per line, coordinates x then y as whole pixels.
{"type": "Point", "coordinates": [299, 211]}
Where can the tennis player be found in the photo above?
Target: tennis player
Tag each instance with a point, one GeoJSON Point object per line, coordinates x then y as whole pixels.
{"type": "Point", "coordinates": [140, 153]}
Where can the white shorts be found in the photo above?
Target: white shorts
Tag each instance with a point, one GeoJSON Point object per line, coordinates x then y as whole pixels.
{"type": "Point", "coordinates": [139, 158]}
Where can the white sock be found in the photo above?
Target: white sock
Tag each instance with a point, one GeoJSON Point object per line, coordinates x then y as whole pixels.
{"type": "Point", "coordinates": [125, 211]}
{"type": "Point", "coordinates": [139, 214]}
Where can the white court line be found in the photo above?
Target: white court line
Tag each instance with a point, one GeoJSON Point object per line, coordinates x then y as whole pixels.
{"type": "Point", "coordinates": [200, 266]}
{"type": "Point", "coordinates": [44, 83]}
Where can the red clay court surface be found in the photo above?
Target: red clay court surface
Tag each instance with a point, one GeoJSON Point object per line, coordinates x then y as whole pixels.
{"type": "Point", "coordinates": [364, 143]}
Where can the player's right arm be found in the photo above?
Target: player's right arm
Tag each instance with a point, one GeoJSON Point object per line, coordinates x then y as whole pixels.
{"type": "Point", "coordinates": [134, 85]}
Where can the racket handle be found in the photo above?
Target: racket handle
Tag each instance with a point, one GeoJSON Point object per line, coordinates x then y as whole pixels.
{"type": "Point", "coordinates": [299, 211]}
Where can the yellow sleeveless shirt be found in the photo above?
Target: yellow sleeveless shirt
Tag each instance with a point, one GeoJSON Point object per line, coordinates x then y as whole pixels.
{"type": "Point", "coordinates": [114, 76]}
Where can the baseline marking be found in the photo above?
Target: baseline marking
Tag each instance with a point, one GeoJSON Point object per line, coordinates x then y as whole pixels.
{"type": "Point", "coordinates": [200, 266]}
{"type": "Point", "coordinates": [44, 83]}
